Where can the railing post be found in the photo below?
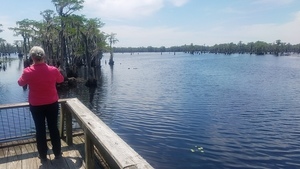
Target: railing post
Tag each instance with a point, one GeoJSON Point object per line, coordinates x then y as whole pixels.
{"type": "Point", "coordinates": [115, 151]}
{"type": "Point", "coordinates": [62, 120]}
{"type": "Point", "coordinates": [89, 151]}
{"type": "Point", "coordinates": [66, 117]}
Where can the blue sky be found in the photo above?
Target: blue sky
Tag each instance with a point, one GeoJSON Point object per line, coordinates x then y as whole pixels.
{"type": "Point", "coordinates": [142, 23]}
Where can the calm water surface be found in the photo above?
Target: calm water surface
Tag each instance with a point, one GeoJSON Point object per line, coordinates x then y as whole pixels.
{"type": "Point", "coordinates": [195, 111]}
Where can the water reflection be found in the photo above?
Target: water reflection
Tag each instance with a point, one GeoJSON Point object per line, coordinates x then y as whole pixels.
{"type": "Point", "coordinates": [111, 73]}
{"type": "Point", "coordinates": [243, 110]}
{"type": "Point", "coordinates": [3, 66]}
{"type": "Point", "coordinates": [88, 89]}
{"type": "Point", "coordinates": [20, 64]}
{"type": "Point", "coordinates": [91, 83]}
{"type": "Point", "coordinates": [4, 62]}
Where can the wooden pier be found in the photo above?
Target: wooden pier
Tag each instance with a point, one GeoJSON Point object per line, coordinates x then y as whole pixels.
{"type": "Point", "coordinates": [23, 154]}
{"type": "Point", "coordinates": [94, 146]}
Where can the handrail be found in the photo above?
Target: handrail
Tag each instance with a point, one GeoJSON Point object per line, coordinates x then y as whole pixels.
{"type": "Point", "coordinates": [16, 122]}
{"type": "Point", "coordinates": [24, 104]}
{"type": "Point", "coordinates": [15, 105]}
{"type": "Point", "coordinates": [116, 152]}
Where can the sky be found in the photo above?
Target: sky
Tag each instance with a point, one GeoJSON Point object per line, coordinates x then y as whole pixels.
{"type": "Point", "coordinates": [156, 23]}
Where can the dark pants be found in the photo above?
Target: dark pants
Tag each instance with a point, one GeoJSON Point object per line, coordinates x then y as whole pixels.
{"type": "Point", "coordinates": [40, 114]}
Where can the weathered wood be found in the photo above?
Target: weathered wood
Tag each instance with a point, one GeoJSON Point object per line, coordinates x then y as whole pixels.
{"type": "Point", "coordinates": [98, 141]}
{"type": "Point", "coordinates": [116, 152]}
{"type": "Point", "coordinates": [12, 160]}
{"type": "Point", "coordinates": [62, 119]}
{"type": "Point", "coordinates": [89, 152]}
{"type": "Point", "coordinates": [70, 156]}
{"type": "Point", "coordinates": [69, 127]}
{"type": "Point", "coordinates": [23, 154]}
{"type": "Point", "coordinates": [24, 104]}
{"type": "Point", "coordinates": [28, 155]}
{"type": "Point", "coordinates": [15, 105]}
{"type": "Point", "coordinates": [66, 122]}
{"type": "Point", "coordinates": [3, 155]}
{"type": "Point", "coordinates": [80, 142]}
{"type": "Point", "coordinates": [74, 155]}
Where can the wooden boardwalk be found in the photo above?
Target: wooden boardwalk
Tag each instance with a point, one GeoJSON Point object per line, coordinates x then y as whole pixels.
{"type": "Point", "coordinates": [23, 155]}
{"type": "Point", "coordinates": [99, 146]}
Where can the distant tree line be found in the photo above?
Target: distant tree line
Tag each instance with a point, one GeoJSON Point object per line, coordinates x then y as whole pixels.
{"type": "Point", "coordinates": [259, 48]}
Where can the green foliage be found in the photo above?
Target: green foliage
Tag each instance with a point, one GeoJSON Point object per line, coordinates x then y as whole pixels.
{"type": "Point", "coordinates": [65, 35]}
{"type": "Point", "coordinates": [258, 47]}
{"type": "Point", "coordinates": [66, 7]}
{"type": "Point", "coordinates": [62, 33]}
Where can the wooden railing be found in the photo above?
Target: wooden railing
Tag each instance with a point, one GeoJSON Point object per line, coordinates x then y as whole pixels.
{"type": "Point", "coordinates": [116, 152]}
{"type": "Point", "coordinates": [15, 122]}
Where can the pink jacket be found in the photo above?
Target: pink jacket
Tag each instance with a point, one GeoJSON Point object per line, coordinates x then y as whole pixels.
{"type": "Point", "coordinates": [42, 80]}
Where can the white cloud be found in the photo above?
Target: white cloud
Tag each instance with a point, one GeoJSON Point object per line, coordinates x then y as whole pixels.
{"type": "Point", "coordinates": [119, 9]}
{"type": "Point", "coordinates": [166, 36]}
{"type": "Point", "coordinates": [287, 32]}
{"type": "Point", "coordinates": [157, 36]}
{"type": "Point", "coordinates": [126, 9]}
{"type": "Point", "coordinates": [130, 36]}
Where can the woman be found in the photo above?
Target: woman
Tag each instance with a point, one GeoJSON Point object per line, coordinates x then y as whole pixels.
{"type": "Point", "coordinates": [43, 100]}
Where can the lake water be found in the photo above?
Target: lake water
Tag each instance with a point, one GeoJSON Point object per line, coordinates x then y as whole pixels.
{"type": "Point", "coordinates": [195, 111]}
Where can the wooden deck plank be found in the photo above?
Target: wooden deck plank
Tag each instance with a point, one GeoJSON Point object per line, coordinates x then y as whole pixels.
{"type": "Point", "coordinates": [79, 144]}
{"type": "Point", "coordinates": [50, 152]}
{"type": "Point", "coordinates": [31, 149]}
{"type": "Point", "coordinates": [73, 161]}
{"type": "Point", "coordinates": [28, 159]}
{"type": "Point", "coordinates": [3, 156]}
{"type": "Point", "coordinates": [23, 155]}
{"type": "Point", "coordinates": [59, 164]}
{"type": "Point", "coordinates": [72, 157]}
{"type": "Point", "coordinates": [12, 160]}
{"type": "Point", "coordinates": [66, 161]}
